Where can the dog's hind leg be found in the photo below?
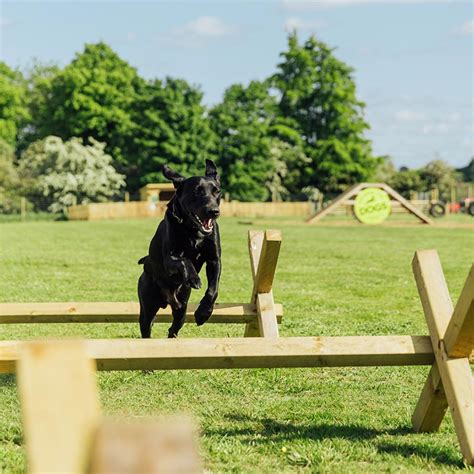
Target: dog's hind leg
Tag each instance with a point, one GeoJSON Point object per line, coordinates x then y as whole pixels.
{"type": "Point", "coordinates": [179, 311]}
{"type": "Point", "coordinates": [150, 303]}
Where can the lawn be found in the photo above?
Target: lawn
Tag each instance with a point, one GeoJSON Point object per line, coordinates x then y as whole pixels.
{"type": "Point", "coordinates": [332, 280]}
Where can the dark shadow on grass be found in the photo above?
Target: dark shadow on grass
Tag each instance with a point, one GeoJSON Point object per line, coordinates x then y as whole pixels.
{"type": "Point", "coordinates": [7, 380]}
{"type": "Point", "coordinates": [439, 455]}
{"type": "Point", "coordinates": [272, 430]}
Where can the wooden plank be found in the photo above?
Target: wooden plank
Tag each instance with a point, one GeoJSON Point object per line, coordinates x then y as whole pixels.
{"type": "Point", "coordinates": [233, 353]}
{"type": "Point", "coordinates": [409, 207]}
{"type": "Point", "coordinates": [459, 336]}
{"type": "Point", "coordinates": [267, 322]}
{"type": "Point", "coordinates": [166, 445]}
{"type": "Point", "coordinates": [352, 191]}
{"type": "Point", "coordinates": [267, 263]}
{"type": "Point", "coordinates": [60, 406]}
{"type": "Point", "coordinates": [117, 312]}
{"type": "Point", "coordinates": [432, 404]}
{"type": "Point", "coordinates": [455, 374]}
{"type": "Point", "coordinates": [267, 246]}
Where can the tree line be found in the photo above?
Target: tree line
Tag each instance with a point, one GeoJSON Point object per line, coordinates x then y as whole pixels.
{"type": "Point", "coordinates": [300, 130]}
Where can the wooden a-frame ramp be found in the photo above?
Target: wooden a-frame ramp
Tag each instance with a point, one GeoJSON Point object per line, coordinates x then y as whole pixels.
{"type": "Point", "coordinates": [346, 197]}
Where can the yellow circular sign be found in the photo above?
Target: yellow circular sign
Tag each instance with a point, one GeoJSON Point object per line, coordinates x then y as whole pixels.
{"type": "Point", "coordinates": [372, 206]}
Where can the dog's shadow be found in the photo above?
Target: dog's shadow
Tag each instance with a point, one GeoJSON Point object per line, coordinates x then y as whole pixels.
{"type": "Point", "coordinates": [271, 431]}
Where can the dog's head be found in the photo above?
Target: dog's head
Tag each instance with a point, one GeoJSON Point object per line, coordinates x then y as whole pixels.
{"type": "Point", "coordinates": [198, 197]}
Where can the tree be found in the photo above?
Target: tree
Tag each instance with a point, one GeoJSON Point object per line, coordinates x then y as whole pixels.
{"type": "Point", "coordinates": [13, 110]}
{"type": "Point", "coordinates": [9, 179]}
{"type": "Point", "coordinates": [438, 174]}
{"type": "Point", "coordinates": [58, 174]}
{"type": "Point", "coordinates": [242, 123]}
{"type": "Point", "coordinates": [172, 129]}
{"type": "Point", "coordinates": [467, 172]}
{"type": "Point", "coordinates": [318, 92]}
{"type": "Point", "coordinates": [406, 181]}
{"type": "Point", "coordinates": [91, 97]}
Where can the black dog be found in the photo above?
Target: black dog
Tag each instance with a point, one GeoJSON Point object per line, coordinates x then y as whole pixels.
{"type": "Point", "coordinates": [186, 238]}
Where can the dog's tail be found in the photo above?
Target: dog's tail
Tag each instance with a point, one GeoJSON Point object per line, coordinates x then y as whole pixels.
{"type": "Point", "coordinates": [142, 260]}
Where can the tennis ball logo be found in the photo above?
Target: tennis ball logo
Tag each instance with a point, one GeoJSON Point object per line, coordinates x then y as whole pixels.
{"type": "Point", "coordinates": [372, 206]}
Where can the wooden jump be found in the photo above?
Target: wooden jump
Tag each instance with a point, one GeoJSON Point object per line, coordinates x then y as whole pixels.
{"type": "Point", "coordinates": [246, 353]}
{"type": "Point", "coordinates": [448, 348]}
{"type": "Point", "coordinates": [261, 315]}
{"type": "Point", "coordinates": [120, 312]}
{"type": "Point", "coordinates": [346, 198]}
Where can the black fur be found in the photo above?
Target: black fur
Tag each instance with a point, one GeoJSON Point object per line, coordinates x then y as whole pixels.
{"type": "Point", "coordinates": [186, 238]}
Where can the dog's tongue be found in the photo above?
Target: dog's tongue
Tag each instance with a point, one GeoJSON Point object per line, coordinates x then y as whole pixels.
{"type": "Point", "coordinates": [207, 224]}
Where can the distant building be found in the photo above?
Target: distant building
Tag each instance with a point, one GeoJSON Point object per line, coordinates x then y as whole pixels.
{"type": "Point", "coordinates": [155, 192]}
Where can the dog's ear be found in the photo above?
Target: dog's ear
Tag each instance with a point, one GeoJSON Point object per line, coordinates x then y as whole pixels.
{"type": "Point", "coordinates": [211, 170]}
{"type": "Point", "coordinates": [172, 175]}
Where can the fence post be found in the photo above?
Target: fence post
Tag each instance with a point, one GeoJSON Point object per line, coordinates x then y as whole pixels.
{"type": "Point", "coordinates": [23, 208]}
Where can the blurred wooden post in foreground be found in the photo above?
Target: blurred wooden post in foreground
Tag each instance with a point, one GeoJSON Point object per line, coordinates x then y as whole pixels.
{"type": "Point", "coordinates": [63, 427]}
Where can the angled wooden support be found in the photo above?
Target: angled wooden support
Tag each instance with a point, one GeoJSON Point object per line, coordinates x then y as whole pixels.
{"type": "Point", "coordinates": [264, 248]}
{"type": "Point", "coordinates": [60, 405]}
{"type": "Point", "coordinates": [450, 381]}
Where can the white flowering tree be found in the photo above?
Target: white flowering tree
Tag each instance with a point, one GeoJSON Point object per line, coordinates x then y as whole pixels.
{"type": "Point", "coordinates": [58, 174]}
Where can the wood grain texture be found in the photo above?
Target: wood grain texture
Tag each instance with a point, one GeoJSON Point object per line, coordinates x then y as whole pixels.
{"type": "Point", "coordinates": [59, 403]}
{"type": "Point", "coordinates": [117, 312]}
{"type": "Point", "coordinates": [455, 374]}
{"type": "Point", "coordinates": [459, 337]}
{"type": "Point", "coordinates": [230, 353]}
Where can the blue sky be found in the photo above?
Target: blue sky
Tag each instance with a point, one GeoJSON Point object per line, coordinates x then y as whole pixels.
{"type": "Point", "coordinates": [413, 60]}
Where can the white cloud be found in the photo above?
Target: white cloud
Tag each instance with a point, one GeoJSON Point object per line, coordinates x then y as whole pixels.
{"type": "Point", "coordinates": [408, 115]}
{"type": "Point", "coordinates": [208, 26]}
{"type": "Point", "coordinates": [466, 29]}
{"type": "Point", "coordinates": [296, 23]}
{"type": "Point", "coordinates": [317, 4]}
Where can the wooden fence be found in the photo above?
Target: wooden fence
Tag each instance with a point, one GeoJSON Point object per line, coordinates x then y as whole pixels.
{"type": "Point", "coordinates": [139, 209]}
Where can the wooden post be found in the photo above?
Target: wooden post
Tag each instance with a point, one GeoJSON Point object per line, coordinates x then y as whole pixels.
{"type": "Point", "coordinates": [264, 248]}
{"type": "Point", "coordinates": [60, 406]}
{"type": "Point", "coordinates": [455, 376]}
{"type": "Point", "coordinates": [23, 208]}
{"type": "Point", "coordinates": [127, 196]}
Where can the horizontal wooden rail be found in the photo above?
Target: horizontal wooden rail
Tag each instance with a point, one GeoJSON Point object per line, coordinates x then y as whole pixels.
{"type": "Point", "coordinates": [117, 312]}
{"type": "Point", "coordinates": [164, 354]}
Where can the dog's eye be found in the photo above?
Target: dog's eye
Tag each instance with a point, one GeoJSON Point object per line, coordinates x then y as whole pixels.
{"type": "Point", "coordinates": [215, 191]}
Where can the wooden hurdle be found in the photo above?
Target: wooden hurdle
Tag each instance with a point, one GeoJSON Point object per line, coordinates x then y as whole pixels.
{"type": "Point", "coordinates": [448, 348]}
{"type": "Point", "coordinates": [261, 316]}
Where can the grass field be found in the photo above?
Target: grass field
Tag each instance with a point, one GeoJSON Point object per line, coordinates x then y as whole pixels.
{"type": "Point", "coordinates": [332, 280]}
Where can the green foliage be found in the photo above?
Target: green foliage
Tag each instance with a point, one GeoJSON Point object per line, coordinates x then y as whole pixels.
{"type": "Point", "coordinates": [58, 174]}
{"type": "Point", "coordinates": [438, 174]}
{"type": "Point", "coordinates": [172, 129]}
{"type": "Point", "coordinates": [318, 92]}
{"type": "Point", "coordinates": [91, 97]}
{"type": "Point", "coordinates": [467, 173]}
{"type": "Point", "coordinates": [9, 180]}
{"type": "Point", "coordinates": [406, 181]}
{"type": "Point", "coordinates": [13, 110]}
{"type": "Point", "coordinates": [242, 122]}
{"type": "Point", "coordinates": [260, 154]}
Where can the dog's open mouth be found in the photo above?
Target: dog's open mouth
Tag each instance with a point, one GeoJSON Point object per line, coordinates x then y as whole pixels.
{"type": "Point", "coordinates": [206, 224]}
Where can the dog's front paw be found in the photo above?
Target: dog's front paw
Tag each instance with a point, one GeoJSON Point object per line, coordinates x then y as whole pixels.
{"type": "Point", "coordinates": [202, 313]}
{"type": "Point", "coordinates": [194, 282]}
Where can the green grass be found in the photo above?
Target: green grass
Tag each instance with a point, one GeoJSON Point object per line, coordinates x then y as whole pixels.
{"type": "Point", "coordinates": [332, 281]}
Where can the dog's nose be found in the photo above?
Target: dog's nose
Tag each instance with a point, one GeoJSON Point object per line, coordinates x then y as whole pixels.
{"type": "Point", "coordinates": [214, 212]}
